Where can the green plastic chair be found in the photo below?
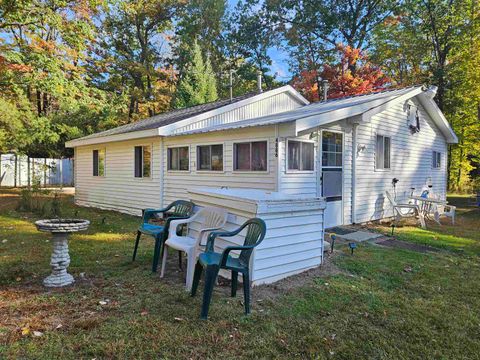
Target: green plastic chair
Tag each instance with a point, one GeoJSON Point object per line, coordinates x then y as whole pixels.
{"type": "Point", "coordinates": [213, 262]}
{"type": "Point", "coordinates": [179, 209]}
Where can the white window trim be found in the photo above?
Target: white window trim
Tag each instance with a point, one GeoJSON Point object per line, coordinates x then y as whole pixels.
{"type": "Point", "coordinates": [440, 163]}
{"type": "Point", "coordinates": [250, 171]}
{"type": "Point", "coordinates": [223, 157]}
{"type": "Point", "coordinates": [375, 157]}
{"type": "Point", "coordinates": [143, 178]}
{"type": "Point", "coordinates": [104, 163]}
{"type": "Point", "coordinates": [294, 171]}
{"type": "Point", "coordinates": [189, 159]}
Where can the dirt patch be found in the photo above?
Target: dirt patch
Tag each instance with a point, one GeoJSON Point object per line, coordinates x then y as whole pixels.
{"type": "Point", "coordinates": [285, 286]}
{"type": "Point", "coordinates": [394, 243]}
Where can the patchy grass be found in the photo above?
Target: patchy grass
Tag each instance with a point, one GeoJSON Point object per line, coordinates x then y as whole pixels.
{"type": "Point", "coordinates": [370, 307]}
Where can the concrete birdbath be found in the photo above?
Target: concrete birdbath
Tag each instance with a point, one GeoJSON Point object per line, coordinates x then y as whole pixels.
{"type": "Point", "coordinates": [60, 229]}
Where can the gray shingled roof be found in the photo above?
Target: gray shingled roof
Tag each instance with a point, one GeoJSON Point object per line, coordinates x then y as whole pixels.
{"type": "Point", "coordinates": [170, 117]}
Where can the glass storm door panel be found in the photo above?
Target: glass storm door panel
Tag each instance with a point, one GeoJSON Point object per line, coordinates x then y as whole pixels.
{"type": "Point", "coordinates": [332, 177]}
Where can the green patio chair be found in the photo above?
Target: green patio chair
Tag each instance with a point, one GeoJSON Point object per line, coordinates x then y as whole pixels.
{"type": "Point", "coordinates": [213, 262]}
{"type": "Point", "coordinates": [179, 209]}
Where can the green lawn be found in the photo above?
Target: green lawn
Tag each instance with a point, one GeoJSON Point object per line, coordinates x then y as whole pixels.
{"type": "Point", "coordinates": [364, 306]}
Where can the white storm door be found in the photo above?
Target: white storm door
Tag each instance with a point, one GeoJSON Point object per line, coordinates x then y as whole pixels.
{"type": "Point", "coordinates": [332, 177]}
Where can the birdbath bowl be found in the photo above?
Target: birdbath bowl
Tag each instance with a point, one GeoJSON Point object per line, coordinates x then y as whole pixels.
{"type": "Point", "coordinates": [60, 229]}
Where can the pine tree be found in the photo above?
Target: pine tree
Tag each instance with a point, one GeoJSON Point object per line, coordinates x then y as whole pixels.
{"type": "Point", "coordinates": [198, 84]}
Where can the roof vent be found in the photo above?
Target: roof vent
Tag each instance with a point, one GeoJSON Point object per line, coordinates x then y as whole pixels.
{"type": "Point", "coordinates": [431, 91]}
{"type": "Point", "coordinates": [259, 81]}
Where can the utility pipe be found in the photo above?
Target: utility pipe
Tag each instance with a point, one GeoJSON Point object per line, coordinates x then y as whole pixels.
{"type": "Point", "coordinates": [354, 165]}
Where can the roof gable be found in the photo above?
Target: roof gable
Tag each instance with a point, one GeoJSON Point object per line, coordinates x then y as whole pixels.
{"type": "Point", "coordinates": [169, 122]}
{"type": "Point", "coordinates": [359, 107]}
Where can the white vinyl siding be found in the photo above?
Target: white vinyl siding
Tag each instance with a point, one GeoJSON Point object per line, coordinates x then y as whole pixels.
{"type": "Point", "coordinates": [293, 242]}
{"type": "Point", "coordinates": [119, 189]}
{"type": "Point", "coordinates": [271, 105]}
{"type": "Point", "coordinates": [410, 161]}
{"type": "Point", "coordinates": [177, 183]}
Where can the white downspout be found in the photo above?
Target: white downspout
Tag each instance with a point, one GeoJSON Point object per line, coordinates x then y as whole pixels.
{"type": "Point", "coordinates": [354, 166]}
{"type": "Point", "coordinates": [162, 174]}
{"type": "Point", "coordinates": [278, 151]}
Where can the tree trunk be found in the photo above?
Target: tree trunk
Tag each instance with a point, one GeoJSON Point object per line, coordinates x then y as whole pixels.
{"type": "Point", "coordinates": [39, 103]}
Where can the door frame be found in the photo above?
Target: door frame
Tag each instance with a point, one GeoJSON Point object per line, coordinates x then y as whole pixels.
{"type": "Point", "coordinates": [320, 166]}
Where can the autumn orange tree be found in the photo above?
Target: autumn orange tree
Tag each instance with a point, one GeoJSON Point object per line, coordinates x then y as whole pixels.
{"type": "Point", "coordinates": [351, 74]}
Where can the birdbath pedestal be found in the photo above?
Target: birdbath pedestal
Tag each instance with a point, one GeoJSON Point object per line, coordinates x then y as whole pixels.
{"type": "Point", "coordinates": [60, 229]}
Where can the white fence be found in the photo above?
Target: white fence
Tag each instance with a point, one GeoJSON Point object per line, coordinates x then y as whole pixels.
{"type": "Point", "coordinates": [16, 170]}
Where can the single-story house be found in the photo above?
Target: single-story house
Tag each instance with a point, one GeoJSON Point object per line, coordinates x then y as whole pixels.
{"type": "Point", "coordinates": [346, 150]}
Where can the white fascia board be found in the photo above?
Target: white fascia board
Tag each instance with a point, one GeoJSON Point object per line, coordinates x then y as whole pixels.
{"type": "Point", "coordinates": [314, 120]}
{"type": "Point", "coordinates": [168, 129]}
{"type": "Point", "coordinates": [438, 118]}
{"type": "Point", "coordinates": [362, 112]}
{"type": "Point", "coordinates": [111, 138]}
{"type": "Point", "coordinates": [376, 109]}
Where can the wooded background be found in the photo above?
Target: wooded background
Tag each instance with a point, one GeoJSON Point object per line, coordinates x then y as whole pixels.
{"type": "Point", "coordinates": [72, 68]}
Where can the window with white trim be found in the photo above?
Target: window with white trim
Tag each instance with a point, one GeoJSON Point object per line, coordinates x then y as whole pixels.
{"type": "Point", "coordinates": [210, 157]}
{"type": "Point", "coordinates": [383, 153]}
{"type": "Point", "coordinates": [300, 155]}
{"type": "Point", "coordinates": [99, 162]}
{"type": "Point", "coordinates": [436, 160]}
{"type": "Point", "coordinates": [143, 161]}
{"type": "Point", "coordinates": [178, 158]}
{"type": "Point", "coordinates": [250, 156]}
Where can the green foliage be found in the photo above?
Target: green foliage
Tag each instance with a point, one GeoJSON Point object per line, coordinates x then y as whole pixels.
{"type": "Point", "coordinates": [438, 42]}
{"type": "Point", "coordinates": [198, 84]}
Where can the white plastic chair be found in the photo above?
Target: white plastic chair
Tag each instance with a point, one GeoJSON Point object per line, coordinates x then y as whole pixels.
{"type": "Point", "coordinates": [443, 209]}
{"type": "Point", "coordinates": [397, 210]}
{"type": "Point", "coordinates": [211, 218]}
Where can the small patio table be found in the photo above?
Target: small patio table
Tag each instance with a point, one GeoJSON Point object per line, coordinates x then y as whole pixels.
{"type": "Point", "coordinates": [426, 205]}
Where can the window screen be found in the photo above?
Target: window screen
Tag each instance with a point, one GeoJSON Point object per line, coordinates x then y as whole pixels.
{"type": "Point", "coordinates": [143, 158]}
{"type": "Point", "coordinates": [332, 183]}
{"type": "Point", "coordinates": [300, 155]}
{"type": "Point", "coordinates": [251, 156]}
{"type": "Point", "coordinates": [331, 149]}
{"type": "Point", "coordinates": [210, 157]}
{"type": "Point", "coordinates": [383, 154]}
{"type": "Point", "coordinates": [99, 162]}
{"type": "Point", "coordinates": [436, 159]}
{"type": "Point", "coordinates": [178, 158]}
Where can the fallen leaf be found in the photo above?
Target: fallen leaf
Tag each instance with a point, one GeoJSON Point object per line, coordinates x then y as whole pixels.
{"type": "Point", "coordinates": [25, 330]}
